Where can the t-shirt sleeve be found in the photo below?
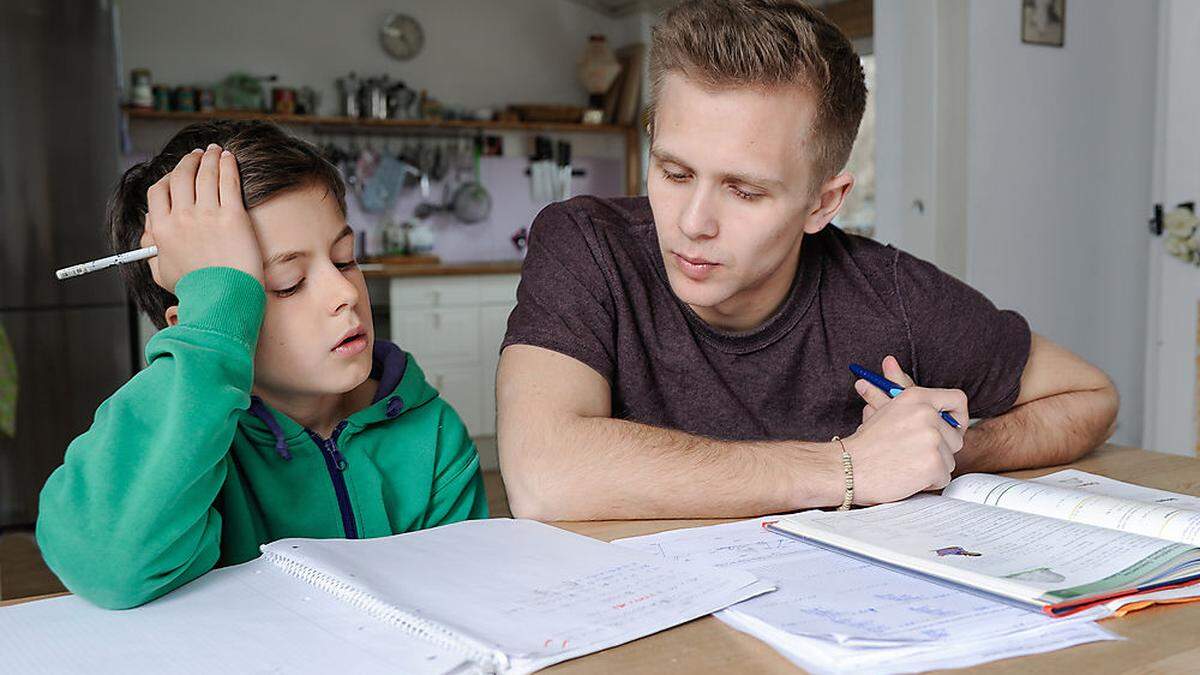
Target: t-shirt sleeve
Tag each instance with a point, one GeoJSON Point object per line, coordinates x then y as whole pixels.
{"type": "Point", "coordinates": [564, 302]}
{"type": "Point", "coordinates": [960, 340]}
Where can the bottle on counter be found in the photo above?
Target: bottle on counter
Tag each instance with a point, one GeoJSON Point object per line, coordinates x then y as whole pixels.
{"type": "Point", "coordinates": [421, 235]}
{"type": "Point", "coordinates": [395, 236]}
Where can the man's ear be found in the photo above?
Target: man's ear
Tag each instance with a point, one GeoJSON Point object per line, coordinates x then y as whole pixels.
{"type": "Point", "coordinates": [830, 198]}
{"type": "Point", "coordinates": [172, 315]}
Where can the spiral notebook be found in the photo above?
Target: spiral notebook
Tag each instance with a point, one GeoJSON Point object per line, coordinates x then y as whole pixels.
{"type": "Point", "coordinates": [500, 595]}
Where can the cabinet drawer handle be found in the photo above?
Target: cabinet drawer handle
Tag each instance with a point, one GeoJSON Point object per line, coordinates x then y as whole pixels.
{"type": "Point", "coordinates": [437, 321]}
{"type": "Point", "coordinates": [437, 381]}
{"type": "Point", "coordinates": [437, 297]}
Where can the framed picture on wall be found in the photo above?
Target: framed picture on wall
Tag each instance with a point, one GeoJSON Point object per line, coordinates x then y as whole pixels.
{"type": "Point", "coordinates": [1043, 22]}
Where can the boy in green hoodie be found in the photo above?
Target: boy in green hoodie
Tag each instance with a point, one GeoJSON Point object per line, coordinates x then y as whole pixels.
{"type": "Point", "coordinates": [267, 409]}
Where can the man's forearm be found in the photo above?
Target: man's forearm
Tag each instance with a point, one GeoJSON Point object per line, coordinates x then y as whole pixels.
{"type": "Point", "coordinates": [593, 468]}
{"type": "Point", "coordinates": [1053, 430]}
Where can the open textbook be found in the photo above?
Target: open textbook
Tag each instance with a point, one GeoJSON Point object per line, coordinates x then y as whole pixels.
{"type": "Point", "coordinates": [1061, 543]}
{"type": "Point", "coordinates": [836, 614]}
{"type": "Point", "coordinates": [500, 595]}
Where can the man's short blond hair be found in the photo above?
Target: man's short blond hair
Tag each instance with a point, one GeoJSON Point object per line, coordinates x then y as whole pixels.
{"type": "Point", "coordinates": [767, 43]}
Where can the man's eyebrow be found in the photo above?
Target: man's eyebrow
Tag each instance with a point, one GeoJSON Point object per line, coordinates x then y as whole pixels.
{"type": "Point", "coordinates": [752, 179]}
{"type": "Point", "coordinates": [748, 178]}
{"type": "Point", "coordinates": [664, 156]}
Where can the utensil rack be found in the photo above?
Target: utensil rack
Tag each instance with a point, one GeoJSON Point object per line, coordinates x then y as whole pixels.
{"type": "Point", "coordinates": [328, 124]}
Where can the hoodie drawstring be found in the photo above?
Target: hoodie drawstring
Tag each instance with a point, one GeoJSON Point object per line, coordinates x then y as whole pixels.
{"type": "Point", "coordinates": [259, 410]}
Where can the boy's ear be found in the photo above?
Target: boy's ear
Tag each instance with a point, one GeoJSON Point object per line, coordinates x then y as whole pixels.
{"type": "Point", "coordinates": [172, 315]}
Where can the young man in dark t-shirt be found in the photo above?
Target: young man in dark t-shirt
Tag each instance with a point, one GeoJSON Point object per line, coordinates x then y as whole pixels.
{"type": "Point", "coordinates": [685, 354]}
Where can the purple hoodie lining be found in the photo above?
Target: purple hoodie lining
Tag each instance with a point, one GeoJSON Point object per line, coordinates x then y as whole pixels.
{"type": "Point", "coordinates": [388, 364]}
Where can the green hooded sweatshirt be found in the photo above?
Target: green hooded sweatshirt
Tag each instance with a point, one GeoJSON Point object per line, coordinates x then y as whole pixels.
{"type": "Point", "coordinates": [183, 470]}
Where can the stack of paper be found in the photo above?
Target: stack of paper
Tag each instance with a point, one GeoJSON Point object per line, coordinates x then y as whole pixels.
{"type": "Point", "coordinates": [834, 613]}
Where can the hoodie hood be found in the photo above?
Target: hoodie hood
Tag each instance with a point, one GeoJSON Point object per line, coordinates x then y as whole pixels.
{"type": "Point", "coordinates": [402, 386]}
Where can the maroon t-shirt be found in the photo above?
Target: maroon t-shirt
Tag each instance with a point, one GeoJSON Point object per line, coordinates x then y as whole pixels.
{"type": "Point", "coordinates": [593, 287]}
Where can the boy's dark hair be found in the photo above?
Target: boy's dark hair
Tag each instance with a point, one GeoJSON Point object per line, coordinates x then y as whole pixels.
{"type": "Point", "coordinates": [269, 161]}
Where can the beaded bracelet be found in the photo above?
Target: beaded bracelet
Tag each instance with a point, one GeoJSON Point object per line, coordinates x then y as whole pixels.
{"type": "Point", "coordinates": [848, 472]}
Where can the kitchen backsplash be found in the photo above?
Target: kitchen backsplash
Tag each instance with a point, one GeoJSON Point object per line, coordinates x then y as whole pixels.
{"type": "Point", "coordinates": [512, 208]}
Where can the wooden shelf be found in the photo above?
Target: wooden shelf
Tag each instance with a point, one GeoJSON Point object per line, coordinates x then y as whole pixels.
{"type": "Point", "coordinates": [630, 133]}
{"type": "Point", "coordinates": [381, 125]}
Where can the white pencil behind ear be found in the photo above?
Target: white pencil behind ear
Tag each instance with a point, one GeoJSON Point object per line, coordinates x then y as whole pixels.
{"type": "Point", "coordinates": [110, 261]}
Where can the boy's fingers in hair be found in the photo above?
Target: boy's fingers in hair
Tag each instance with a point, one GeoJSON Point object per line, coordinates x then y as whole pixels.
{"type": "Point", "coordinates": [231, 182]}
{"type": "Point", "coordinates": [158, 199]}
{"type": "Point", "coordinates": [206, 177]}
{"type": "Point", "coordinates": [183, 180]}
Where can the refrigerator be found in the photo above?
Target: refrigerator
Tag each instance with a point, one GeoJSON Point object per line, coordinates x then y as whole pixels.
{"type": "Point", "coordinates": [72, 340]}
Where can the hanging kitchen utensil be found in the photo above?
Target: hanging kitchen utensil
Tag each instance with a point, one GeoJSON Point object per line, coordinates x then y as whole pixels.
{"type": "Point", "coordinates": [410, 155]}
{"type": "Point", "coordinates": [458, 161]}
{"type": "Point", "coordinates": [441, 163]}
{"type": "Point", "coordinates": [472, 202]}
{"type": "Point", "coordinates": [426, 157]}
{"type": "Point", "coordinates": [380, 190]}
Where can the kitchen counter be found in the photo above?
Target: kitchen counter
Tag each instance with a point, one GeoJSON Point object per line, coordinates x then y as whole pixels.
{"type": "Point", "coordinates": [441, 269]}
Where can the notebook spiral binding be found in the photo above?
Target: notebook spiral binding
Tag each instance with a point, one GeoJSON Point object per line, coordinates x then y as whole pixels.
{"type": "Point", "coordinates": [489, 660]}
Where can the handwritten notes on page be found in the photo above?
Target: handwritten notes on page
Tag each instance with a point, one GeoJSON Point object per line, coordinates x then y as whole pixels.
{"type": "Point", "coordinates": [536, 593]}
{"type": "Point", "coordinates": [845, 599]}
{"type": "Point", "coordinates": [833, 611]}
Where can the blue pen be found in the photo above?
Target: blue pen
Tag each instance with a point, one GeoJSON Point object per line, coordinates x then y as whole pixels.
{"type": "Point", "coordinates": [891, 388]}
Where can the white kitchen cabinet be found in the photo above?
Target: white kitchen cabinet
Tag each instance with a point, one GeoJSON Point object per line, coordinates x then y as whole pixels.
{"type": "Point", "coordinates": [437, 335]}
{"type": "Point", "coordinates": [453, 326]}
{"type": "Point", "coordinates": [460, 386]}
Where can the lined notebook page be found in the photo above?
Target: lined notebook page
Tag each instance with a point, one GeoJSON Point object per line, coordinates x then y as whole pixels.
{"type": "Point", "coordinates": [249, 618]}
{"type": "Point", "coordinates": [532, 591]}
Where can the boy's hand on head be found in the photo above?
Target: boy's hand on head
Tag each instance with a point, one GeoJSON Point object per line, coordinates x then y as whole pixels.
{"type": "Point", "coordinates": [196, 217]}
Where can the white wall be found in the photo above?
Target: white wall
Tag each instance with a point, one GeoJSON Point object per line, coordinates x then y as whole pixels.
{"type": "Point", "coordinates": [1059, 158]}
{"type": "Point", "coordinates": [1033, 163]}
{"type": "Point", "coordinates": [477, 52]}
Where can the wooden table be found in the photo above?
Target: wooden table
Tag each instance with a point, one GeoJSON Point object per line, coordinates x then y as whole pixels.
{"type": "Point", "coordinates": [1159, 639]}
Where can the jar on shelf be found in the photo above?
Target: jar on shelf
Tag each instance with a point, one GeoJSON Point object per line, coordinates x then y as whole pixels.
{"type": "Point", "coordinates": [141, 93]}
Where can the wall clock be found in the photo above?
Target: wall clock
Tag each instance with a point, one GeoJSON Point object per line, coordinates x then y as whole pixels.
{"type": "Point", "coordinates": [402, 36]}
